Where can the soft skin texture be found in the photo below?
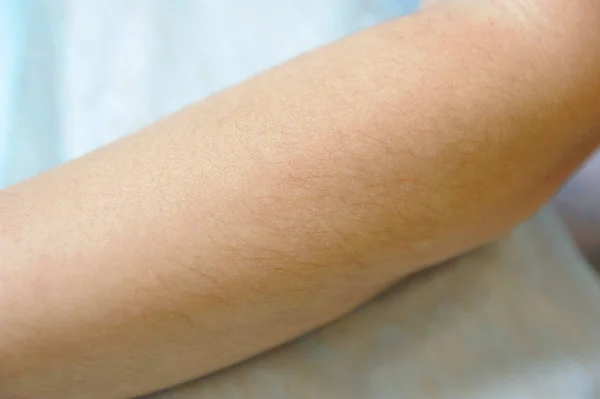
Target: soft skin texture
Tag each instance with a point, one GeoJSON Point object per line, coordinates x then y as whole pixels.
{"type": "Point", "coordinates": [518, 318]}
{"type": "Point", "coordinates": [282, 203]}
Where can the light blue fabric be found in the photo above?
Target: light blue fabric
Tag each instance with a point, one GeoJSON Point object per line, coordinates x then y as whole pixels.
{"type": "Point", "coordinates": [76, 74]}
{"type": "Point", "coordinates": [30, 135]}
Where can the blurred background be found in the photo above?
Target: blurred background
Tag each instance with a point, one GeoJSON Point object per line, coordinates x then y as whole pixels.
{"type": "Point", "coordinates": [77, 74]}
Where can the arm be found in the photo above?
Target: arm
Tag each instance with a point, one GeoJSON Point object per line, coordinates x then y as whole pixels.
{"type": "Point", "coordinates": [275, 206]}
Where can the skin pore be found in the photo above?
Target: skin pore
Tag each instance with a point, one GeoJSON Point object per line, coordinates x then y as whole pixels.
{"type": "Point", "coordinates": [282, 203]}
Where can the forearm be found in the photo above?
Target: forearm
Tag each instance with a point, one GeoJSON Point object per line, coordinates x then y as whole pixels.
{"type": "Point", "coordinates": [282, 203]}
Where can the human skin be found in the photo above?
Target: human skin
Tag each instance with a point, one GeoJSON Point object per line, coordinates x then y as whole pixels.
{"type": "Point", "coordinates": [280, 204]}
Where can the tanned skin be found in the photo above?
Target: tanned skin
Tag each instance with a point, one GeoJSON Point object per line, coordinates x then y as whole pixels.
{"type": "Point", "coordinates": [282, 203]}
